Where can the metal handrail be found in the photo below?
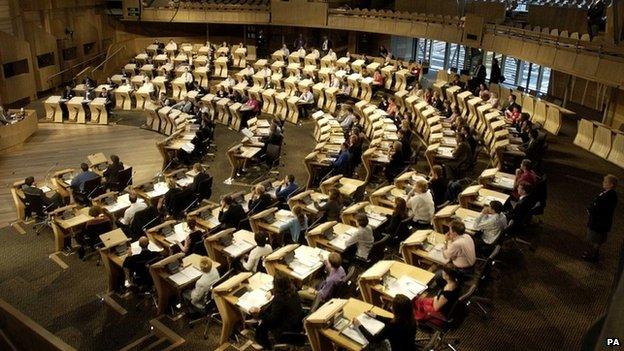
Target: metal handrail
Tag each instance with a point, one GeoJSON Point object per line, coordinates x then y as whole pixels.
{"type": "Point", "coordinates": [75, 66]}
{"type": "Point", "coordinates": [107, 59]}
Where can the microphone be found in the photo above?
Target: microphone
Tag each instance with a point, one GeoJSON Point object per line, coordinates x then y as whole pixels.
{"type": "Point", "coordinates": [160, 175]}
{"type": "Point", "coordinates": [190, 206]}
{"type": "Point", "coordinates": [47, 176]}
{"type": "Point", "coordinates": [148, 223]}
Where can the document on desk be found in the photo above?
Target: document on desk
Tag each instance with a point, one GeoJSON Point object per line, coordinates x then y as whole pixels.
{"type": "Point", "coordinates": [185, 276]}
{"type": "Point", "coordinates": [469, 223]}
{"type": "Point", "coordinates": [406, 286]}
{"type": "Point", "coordinates": [188, 147]}
{"type": "Point", "coordinates": [354, 334]}
{"type": "Point", "coordinates": [238, 248]}
{"type": "Point", "coordinates": [504, 182]}
{"type": "Point", "coordinates": [45, 189]}
{"type": "Point", "coordinates": [369, 323]}
{"type": "Point", "coordinates": [136, 249]}
{"type": "Point", "coordinates": [254, 298]}
{"type": "Point", "coordinates": [340, 241]}
{"type": "Point", "coordinates": [160, 189]}
{"type": "Point", "coordinates": [186, 181]}
{"type": "Point", "coordinates": [437, 255]}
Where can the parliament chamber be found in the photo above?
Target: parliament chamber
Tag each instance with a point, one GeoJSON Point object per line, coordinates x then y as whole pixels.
{"type": "Point", "coordinates": [311, 175]}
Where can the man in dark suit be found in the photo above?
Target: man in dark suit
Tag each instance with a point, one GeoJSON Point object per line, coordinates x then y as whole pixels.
{"type": "Point", "coordinates": [230, 213]}
{"type": "Point", "coordinates": [479, 75]}
{"type": "Point", "coordinates": [534, 148]}
{"type": "Point", "coordinates": [461, 157]}
{"type": "Point", "coordinates": [199, 177]}
{"type": "Point", "coordinates": [600, 220]}
{"type": "Point", "coordinates": [135, 264]}
{"type": "Point", "coordinates": [520, 212]}
{"type": "Point", "coordinates": [111, 173]}
{"type": "Point", "coordinates": [30, 188]}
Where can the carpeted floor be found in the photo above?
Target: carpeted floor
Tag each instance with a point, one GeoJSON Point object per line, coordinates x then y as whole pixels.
{"type": "Point", "coordinates": [542, 300]}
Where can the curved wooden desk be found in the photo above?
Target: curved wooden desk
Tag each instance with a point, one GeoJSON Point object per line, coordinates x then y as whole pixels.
{"type": "Point", "coordinates": [15, 134]}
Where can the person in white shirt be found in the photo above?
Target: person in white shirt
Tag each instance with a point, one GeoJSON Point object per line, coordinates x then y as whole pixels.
{"type": "Point", "coordinates": [334, 82]}
{"type": "Point", "coordinates": [332, 55]}
{"type": "Point", "coordinates": [171, 45]}
{"type": "Point", "coordinates": [285, 51]}
{"type": "Point", "coordinates": [259, 252]}
{"type": "Point", "coordinates": [346, 118]}
{"type": "Point", "coordinates": [459, 247]}
{"type": "Point", "coordinates": [491, 222]}
{"type": "Point", "coordinates": [199, 293]}
{"type": "Point", "coordinates": [135, 206]}
{"type": "Point", "coordinates": [363, 237]}
{"type": "Point", "coordinates": [421, 205]}
{"type": "Point", "coordinates": [187, 76]}
{"type": "Point", "coordinates": [306, 100]}
{"type": "Point", "coordinates": [148, 86]}
{"type": "Point", "coordinates": [266, 71]}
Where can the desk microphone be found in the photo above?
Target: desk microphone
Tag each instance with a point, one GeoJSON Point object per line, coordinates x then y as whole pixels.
{"type": "Point", "coordinates": [148, 223]}
{"type": "Point", "coordinates": [161, 174]}
{"type": "Point", "coordinates": [47, 176]}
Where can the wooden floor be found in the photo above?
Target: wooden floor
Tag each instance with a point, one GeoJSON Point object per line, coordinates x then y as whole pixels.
{"type": "Point", "coordinates": [56, 146]}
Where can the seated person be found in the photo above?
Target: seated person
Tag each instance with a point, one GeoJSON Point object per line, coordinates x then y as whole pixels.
{"type": "Point", "coordinates": [406, 144]}
{"type": "Point", "coordinates": [249, 109]}
{"type": "Point", "coordinates": [436, 308]}
{"type": "Point", "coordinates": [333, 207]}
{"type": "Point", "coordinates": [262, 249]}
{"type": "Point", "coordinates": [112, 171]}
{"type": "Point", "coordinates": [298, 225]}
{"type": "Point", "coordinates": [398, 330]}
{"type": "Point", "coordinates": [194, 237]}
{"type": "Point", "coordinates": [524, 174]}
{"type": "Point", "coordinates": [462, 157]}
{"type": "Point", "coordinates": [54, 201]}
{"type": "Point", "coordinates": [421, 205]}
{"type": "Point", "coordinates": [90, 235]}
{"type": "Point", "coordinates": [510, 104]}
{"type": "Point", "coordinates": [306, 101]}
{"type": "Point", "coordinates": [521, 209]}
{"type": "Point", "coordinates": [355, 149]}
{"type": "Point", "coordinates": [185, 105]}
{"type": "Point", "coordinates": [438, 185]}
{"type": "Point", "coordinates": [324, 291]}
{"type": "Point", "coordinates": [378, 80]}
{"type": "Point", "coordinates": [363, 237]}
{"type": "Point", "coordinates": [345, 91]}
{"type": "Point", "coordinates": [135, 206]}
{"type": "Point", "coordinates": [199, 177]}
{"type": "Point", "coordinates": [490, 222]}
{"type": "Point", "coordinates": [286, 188]}
{"type": "Point", "coordinates": [134, 264]}
{"type": "Point", "coordinates": [259, 200]}
{"type": "Point", "coordinates": [230, 213]}
{"type": "Point", "coordinates": [513, 116]}
{"type": "Point", "coordinates": [199, 294]}
{"type": "Point", "coordinates": [342, 162]}
{"type": "Point", "coordinates": [399, 214]}
{"type": "Point", "coordinates": [345, 117]}
{"type": "Point", "coordinates": [534, 148]}
{"type": "Point", "coordinates": [397, 162]}
{"type": "Point", "coordinates": [167, 203]}
{"type": "Point", "coordinates": [77, 183]}
{"type": "Point", "coordinates": [284, 314]}
{"type": "Point", "coordinates": [459, 248]}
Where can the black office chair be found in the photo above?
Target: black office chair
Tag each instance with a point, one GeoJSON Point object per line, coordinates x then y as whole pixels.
{"type": "Point", "coordinates": [441, 327]}
{"type": "Point", "coordinates": [35, 208]}
{"type": "Point", "coordinates": [484, 276]}
{"type": "Point", "coordinates": [89, 239]}
{"type": "Point", "coordinates": [204, 189]}
{"type": "Point", "coordinates": [142, 220]}
{"type": "Point", "coordinates": [179, 203]}
{"type": "Point", "coordinates": [377, 252]}
{"type": "Point", "coordinates": [541, 195]}
{"type": "Point", "coordinates": [142, 283]}
{"type": "Point", "coordinates": [402, 231]}
{"type": "Point", "coordinates": [91, 188]}
{"type": "Point", "coordinates": [124, 178]}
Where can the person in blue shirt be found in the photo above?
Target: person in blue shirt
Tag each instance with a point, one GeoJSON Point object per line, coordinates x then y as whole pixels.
{"type": "Point", "coordinates": [341, 164]}
{"type": "Point", "coordinates": [78, 182]}
{"type": "Point", "coordinates": [286, 188]}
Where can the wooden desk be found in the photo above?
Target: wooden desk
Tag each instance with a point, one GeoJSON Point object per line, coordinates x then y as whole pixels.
{"type": "Point", "coordinates": [476, 196]}
{"type": "Point", "coordinates": [151, 191]}
{"type": "Point", "coordinates": [99, 115]}
{"type": "Point", "coordinates": [307, 200]}
{"type": "Point", "coordinates": [122, 97]}
{"type": "Point", "coordinates": [376, 214]}
{"type": "Point", "coordinates": [225, 296]}
{"type": "Point", "coordinates": [239, 155]}
{"type": "Point", "coordinates": [66, 228]}
{"type": "Point", "coordinates": [53, 109]}
{"type": "Point", "coordinates": [347, 186]}
{"type": "Point", "coordinates": [413, 251]}
{"type": "Point", "coordinates": [76, 111]}
{"type": "Point", "coordinates": [443, 217]}
{"type": "Point", "coordinates": [239, 243]}
{"type": "Point", "coordinates": [305, 262]}
{"type": "Point", "coordinates": [492, 178]}
{"type": "Point", "coordinates": [206, 216]}
{"type": "Point", "coordinates": [272, 221]}
{"type": "Point", "coordinates": [385, 279]}
{"type": "Point", "coordinates": [330, 236]}
{"type": "Point", "coordinates": [319, 324]}
{"type": "Point", "coordinates": [385, 196]}
{"type": "Point", "coordinates": [14, 134]}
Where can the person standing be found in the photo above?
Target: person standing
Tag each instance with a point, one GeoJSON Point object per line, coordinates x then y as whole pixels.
{"type": "Point", "coordinates": [600, 220]}
{"type": "Point", "coordinates": [495, 72]}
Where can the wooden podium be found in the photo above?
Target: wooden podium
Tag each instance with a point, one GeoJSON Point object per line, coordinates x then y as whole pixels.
{"type": "Point", "coordinates": [53, 109]}
{"type": "Point", "coordinates": [76, 111]}
{"type": "Point", "coordinates": [99, 115]}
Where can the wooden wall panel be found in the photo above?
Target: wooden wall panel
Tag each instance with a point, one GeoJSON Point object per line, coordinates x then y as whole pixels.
{"type": "Point", "coordinates": [546, 55]}
{"type": "Point", "coordinates": [299, 12]}
{"type": "Point", "coordinates": [19, 86]}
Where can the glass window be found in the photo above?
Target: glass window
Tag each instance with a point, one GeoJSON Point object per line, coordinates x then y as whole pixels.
{"type": "Point", "coordinates": [510, 65]}
{"type": "Point", "coordinates": [438, 51]}
{"type": "Point", "coordinates": [402, 47]}
{"type": "Point", "coordinates": [457, 55]}
{"type": "Point", "coordinates": [545, 80]}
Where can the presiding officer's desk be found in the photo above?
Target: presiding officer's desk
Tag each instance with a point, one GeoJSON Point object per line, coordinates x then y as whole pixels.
{"type": "Point", "coordinates": [229, 244]}
{"type": "Point", "coordinates": [385, 279]}
{"type": "Point", "coordinates": [300, 263]}
{"type": "Point", "coordinates": [237, 295]}
{"type": "Point", "coordinates": [16, 133]}
{"type": "Point", "coordinates": [423, 246]}
{"type": "Point", "coordinates": [320, 326]}
{"type": "Point", "coordinates": [67, 221]}
{"type": "Point", "coordinates": [169, 284]}
{"type": "Point", "coordinates": [330, 236]}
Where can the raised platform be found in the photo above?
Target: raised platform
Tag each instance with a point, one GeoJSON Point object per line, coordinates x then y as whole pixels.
{"type": "Point", "coordinates": [15, 134]}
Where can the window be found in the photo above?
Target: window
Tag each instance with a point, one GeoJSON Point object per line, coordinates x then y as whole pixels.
{"type": "Point", "coordinates": [45, 60]}
{"type": "Point", "coordinates": [438, 52]}
{"type": "Point", "coordinates": [88, 48]}
{"type": "Point", "coordinates": [15, 68]}
{"type": "Point", "coordinates": [69, 54]}
{"type": "Point", "coordinates": [545, 81]}
{"type": "Point", "coordinates": [457, 55]}
{"type": "Point", "coordinates": [402, 47]}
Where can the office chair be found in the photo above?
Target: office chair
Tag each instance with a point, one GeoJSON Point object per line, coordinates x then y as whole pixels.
{"type": "Point", "coordinates": [204, 190]}
{"type": "Point", "coordinates": [440, 329]}
{"type": "Point", "coordinates": [179, 202]}
{"type": "Point", "coordinates": [484, 276]}
{"type": "Point", "coordinates": [290, 341]}
{"type": "Point", "coordinates": [36, 209]}
{"type": "Point", "coordinates": [90, 239]}
{"type": "Point", "coordinates": [142, 283]}
{"type": "Point", "coordinates": [90, 189]}
{"type": "Point", "coordinates": [511, 232]}
{"type": "Point", "coordinates": [541, 195]}
{"type": "Point", "coordinates": [378, 251]}
{"type": "Point", "coordinates": [124, 178]}
{"type": "Point", "coordinates": [142, 220]}
{"type": "Point", "coordinates": [210, 312]}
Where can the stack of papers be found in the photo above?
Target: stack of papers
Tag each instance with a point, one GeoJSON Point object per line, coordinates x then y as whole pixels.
{"type": "Point", "coordinates": [238, 248]}
{"type": "Point", "coordinates": [405, 286]}
{"type": "Point", "coordinates": [45, 189]}
{"type": "Point", "coordinates": [354, 334]}
{"type": "Point", "coordinates": [445, 151]}
{"type": "Point", "coordinates": [160, 189]}
{"type": "Point", "coordinates": [504, 182]}
{"type": "Point", "coordinates": [188, 147]}
{"type": "Point", "coordinates": [340, 241]}
{"type": "Point", "coordinates": [254, 298]}
{"type": "Point", "coordinates": [185, 276]}
{"type": "Point", "coordinates": [469, 223]}
{"type": "Point", "coordinates": [436, 254]}
{"type": "Point", "coordinates": [371, 325]}
{"type": "Point", "coordinates": [186, 181]}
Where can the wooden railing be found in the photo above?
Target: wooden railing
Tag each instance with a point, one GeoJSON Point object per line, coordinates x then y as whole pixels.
{"type": "Point", "coordinates": [81, 64]}
{"type": "Point", "coordinates": [108, 58]}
